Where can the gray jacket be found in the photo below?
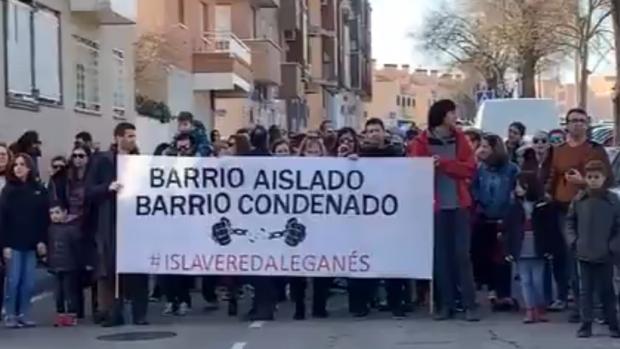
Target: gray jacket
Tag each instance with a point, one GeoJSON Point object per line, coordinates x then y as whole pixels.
{"type": "Point", "coordinates": [593, 227]}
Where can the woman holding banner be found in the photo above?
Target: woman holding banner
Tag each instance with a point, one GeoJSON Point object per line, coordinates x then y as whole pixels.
{"type": "Point", "coordinates": [312, 146]}
{"type": "Point", "coordinates": [454, 170]}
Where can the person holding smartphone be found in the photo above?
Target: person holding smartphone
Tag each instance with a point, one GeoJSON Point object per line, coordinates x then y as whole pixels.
{"type": "Point", "coordinates": [565, 181]}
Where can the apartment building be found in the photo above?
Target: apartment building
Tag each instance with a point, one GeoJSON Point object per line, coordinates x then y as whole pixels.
{"type": "Point", "coordinates": [340, 64]}
{"type": "Point", "coordinates": [402, 96]}
{"type": "Point", "coordinates": [67, 67]}
{"type": "Point", "coordinates": [600, 95]}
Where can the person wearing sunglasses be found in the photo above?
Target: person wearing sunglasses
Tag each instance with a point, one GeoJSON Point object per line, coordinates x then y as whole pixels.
{"type": "Point", "coordinates": [67, 187]}
{"type": "Point", "coordinates": [557, 137]}
{"type": "Point", "coordinates": [565, 181]}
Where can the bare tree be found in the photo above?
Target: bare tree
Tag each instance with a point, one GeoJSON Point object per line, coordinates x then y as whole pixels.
{"type": "Point", "coordinates": [466, 41]}
{"type": "Point", "coordinates": [586, 33]}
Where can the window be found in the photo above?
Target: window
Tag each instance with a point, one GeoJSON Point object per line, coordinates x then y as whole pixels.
{"type": "Point", "coordinates": [409, 101]}
{"type": "Point", "coordinates": [398, 100]}
{"type": "Point", "coordinates": [118, 98]}
{"type": "Point", "coordinates": [87, 75]}
{"type": "Point", "coordinates": [181, 11]}
{"type": "Point", "coordinates": [32, 55]}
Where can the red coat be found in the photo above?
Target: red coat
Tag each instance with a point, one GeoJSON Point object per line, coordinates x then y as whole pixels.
{"type": "Point", "coordinates": [461, 169]}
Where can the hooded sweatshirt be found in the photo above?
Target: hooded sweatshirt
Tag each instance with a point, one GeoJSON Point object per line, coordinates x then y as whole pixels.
{"type": "Point", "coordinates": [24, 215]}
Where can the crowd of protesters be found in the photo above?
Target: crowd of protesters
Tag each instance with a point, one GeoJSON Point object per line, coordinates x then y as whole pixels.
{"type": "Point", "coordinates": [540, 211]}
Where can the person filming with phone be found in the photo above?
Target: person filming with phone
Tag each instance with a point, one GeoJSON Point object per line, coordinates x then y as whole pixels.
{"type": "Point", "coordinates": [566, 180]}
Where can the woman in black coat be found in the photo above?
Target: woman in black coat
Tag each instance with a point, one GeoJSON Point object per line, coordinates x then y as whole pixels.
{"type": "Point", "coordinates": [24, 219]}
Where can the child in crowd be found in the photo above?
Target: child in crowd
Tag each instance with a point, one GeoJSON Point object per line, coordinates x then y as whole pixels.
{"type": "Point", "coordinates": [65, 264]}
{"type": "Point", "coordinates": [187, 124]}
{"type": "Point", "coordinates": [528, 240]}
{"type": "Point", "coordinates": [592, 229]}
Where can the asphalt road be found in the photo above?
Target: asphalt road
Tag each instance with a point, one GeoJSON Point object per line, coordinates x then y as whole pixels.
{"type": "Point", "coordinates": [215, 330]}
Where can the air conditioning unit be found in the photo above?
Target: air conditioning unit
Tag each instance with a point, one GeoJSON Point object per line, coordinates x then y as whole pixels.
{"type": "Point", "coordinates": [290, 35]}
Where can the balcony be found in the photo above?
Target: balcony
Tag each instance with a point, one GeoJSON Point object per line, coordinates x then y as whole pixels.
{"type": "Point", "coordinates": [266, 3]}
{"type": "Point", "coordinates": [292, 81]}
{"type": "Point", "coordinates": [112, 12]}
{"type": "Point", "coordinates": [266, 59]}
{"type": "Point", "coordinates": [222, 62]}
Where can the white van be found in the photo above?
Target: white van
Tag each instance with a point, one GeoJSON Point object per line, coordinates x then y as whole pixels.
{"type": "Point", "coordinates": [494, 116]}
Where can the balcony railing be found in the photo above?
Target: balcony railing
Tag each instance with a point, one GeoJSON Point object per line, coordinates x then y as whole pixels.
{"type": "Point", "coordinates": [225, 42]}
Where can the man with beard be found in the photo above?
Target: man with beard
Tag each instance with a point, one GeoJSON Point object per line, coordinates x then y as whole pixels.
{"type": "Point", "coordinates": [100, 195]}
{"type": "Point", "coordinates": [377, 143]}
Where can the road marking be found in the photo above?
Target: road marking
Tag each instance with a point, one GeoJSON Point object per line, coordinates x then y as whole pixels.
{"type": "Point", "coordinates": [257, 324]}
{"type": "Point", "coordinates": [239, 345]}
{"type": "Point", "coordinates": [41, 297]}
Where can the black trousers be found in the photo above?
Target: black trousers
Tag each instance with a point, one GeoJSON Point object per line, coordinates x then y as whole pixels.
{"type": "Point", "coordinates": [265, 295]}
{"type": "Point", "coordinates": [2, 277]}
{"type": "Point", "coordinates": [320, 293]}
{"type": "Point", "coordinates": [597, 277]}
{"type": "Point", "coordinates": [209, 284]}
{"type": "Point", "coordinates": [86, 281]}
{"type": "Point", "coordinates": [135, 288]}
{"type": "Point", "coordinates": [66, 292]}
{"type": "Point", "coordinates": [361, 293]}
{"type": "Point", "coordinates": [176, 288]}
{"type": "Point", "coordinates": [396, 290]}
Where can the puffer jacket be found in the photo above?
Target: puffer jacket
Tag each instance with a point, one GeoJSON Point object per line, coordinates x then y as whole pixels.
{"type": "Point", "coordinates": [64, 247]}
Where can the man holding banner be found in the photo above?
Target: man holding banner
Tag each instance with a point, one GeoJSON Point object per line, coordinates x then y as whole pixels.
{"type": "Point", "coordinates": [100, 194]}
{"type": "Point", "coordinates": [269, 216]}
{"type": "Point", "coordinates": [454, 169]}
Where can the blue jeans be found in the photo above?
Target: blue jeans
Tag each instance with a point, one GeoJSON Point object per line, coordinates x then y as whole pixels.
{"type": "Point", "coordinates": [20, 278]}
{"type": "Point", "coordinates": [532, 271]}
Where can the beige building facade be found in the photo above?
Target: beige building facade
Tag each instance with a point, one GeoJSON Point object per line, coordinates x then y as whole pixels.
{"type": "Point", "coordinates": [600, 94]}
{"type": "Point", "coordinates": [403, 96]}
{"type": "Point", "coordinates": [67, 67]}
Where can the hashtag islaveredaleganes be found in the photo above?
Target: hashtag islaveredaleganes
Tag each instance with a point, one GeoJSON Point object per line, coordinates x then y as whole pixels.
{"type": "Point", "coordinates": [155, 261]}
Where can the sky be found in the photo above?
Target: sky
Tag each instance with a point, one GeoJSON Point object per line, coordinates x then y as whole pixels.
{"type": "Point", "coordinates": [393, 20]}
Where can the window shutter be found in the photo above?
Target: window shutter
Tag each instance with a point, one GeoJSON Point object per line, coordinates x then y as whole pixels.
{"type": "Point", "coordinates": [47, 55]}
{"type": "Point", "coordinates": [19, 55]}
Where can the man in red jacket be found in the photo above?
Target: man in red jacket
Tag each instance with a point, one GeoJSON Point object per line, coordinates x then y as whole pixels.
{"type": "Point", "coordinates": [454, 169]}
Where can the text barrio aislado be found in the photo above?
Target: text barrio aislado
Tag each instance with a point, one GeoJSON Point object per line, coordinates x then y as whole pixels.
{"type": "Point", "coordinates": [268, 192]}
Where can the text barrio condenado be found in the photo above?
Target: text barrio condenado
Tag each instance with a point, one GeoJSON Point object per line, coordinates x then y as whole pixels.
{"type": "Point", "coordinates": [321, 192]}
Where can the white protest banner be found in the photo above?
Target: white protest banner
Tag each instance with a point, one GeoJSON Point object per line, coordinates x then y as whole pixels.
{"type": "Point", "coordinates": [363, 218]}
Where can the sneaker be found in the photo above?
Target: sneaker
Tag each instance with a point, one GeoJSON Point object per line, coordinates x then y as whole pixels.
{"type": "Point", "coordinates": [361, 313]}
{"type": "Point", "coordinates": [472, 315]}
{"type": "Point", "coordinates": [443, 315]}
{"type": "Point", "coordinates": [398, 314]}
{"type": "Point", "coordinates": [530, 316]}
{"type": "Point", "coordinates": [11, 322]}
{"type": "Point", "coordinates": [25, 322]}
{"type": "Point", "coordinates": [557, 306]}
{"type": "Point", "coordinates": [585, 331]}
{"type": "Point", "coordinates": [59, 321]}
{"type": "Point", "coordinates": [541, 314]}
{"type": "Point", "coordinates": [183, 309]}
{"type": "Point", "coordinates": [168, 309]}
{"type": "Point", "coordinates": [210, 306]}
{"type": "Point", "coordinates": [70, 320]}
{"type": "Point", "coordinates": [574, 317]}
